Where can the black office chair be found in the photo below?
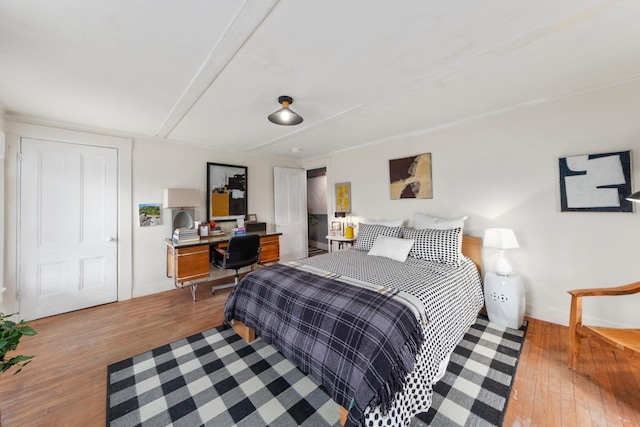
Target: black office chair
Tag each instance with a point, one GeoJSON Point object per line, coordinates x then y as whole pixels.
{"type": "Point", "coordinates": [241, 251]}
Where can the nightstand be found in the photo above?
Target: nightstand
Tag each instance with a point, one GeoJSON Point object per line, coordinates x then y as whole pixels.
{"type": "Point", "coordinates": [504, 299]}
{"type": "Point", "coordinates": [341, 241]}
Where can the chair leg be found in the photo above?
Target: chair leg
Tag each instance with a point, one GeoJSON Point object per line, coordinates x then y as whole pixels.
{"type": "Point", "coordinates": [575, 319]}
{"type": "Point", "coordinates": [235, 283]}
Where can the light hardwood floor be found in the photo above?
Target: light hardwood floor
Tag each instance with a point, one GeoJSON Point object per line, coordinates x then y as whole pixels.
{"type": "Point", "coordinates": [65, 385]}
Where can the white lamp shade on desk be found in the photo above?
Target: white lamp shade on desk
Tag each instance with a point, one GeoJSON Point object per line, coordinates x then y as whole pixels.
{"type": "Point", "coordinates": [501, 239]}
{"type": "Point", "coordinates": [178, 198]}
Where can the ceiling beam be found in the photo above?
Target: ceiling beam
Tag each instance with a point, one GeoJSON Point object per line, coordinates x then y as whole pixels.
{"type": "Point", "coordinates": [248, 19]}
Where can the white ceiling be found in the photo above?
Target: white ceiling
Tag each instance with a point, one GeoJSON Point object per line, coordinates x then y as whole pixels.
{"type": "Point", "coordinates": [359, 71]}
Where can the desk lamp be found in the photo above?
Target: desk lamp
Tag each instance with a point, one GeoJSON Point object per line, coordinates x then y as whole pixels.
{"type": "Point", "coordinates": [177, 199]}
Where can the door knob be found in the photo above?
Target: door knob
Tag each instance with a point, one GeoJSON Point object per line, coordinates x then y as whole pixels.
{"type": "Point", "coordinates": [110, 239]}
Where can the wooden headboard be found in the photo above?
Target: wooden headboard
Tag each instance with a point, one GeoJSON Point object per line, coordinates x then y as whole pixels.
{"type": "Point", "coordinates": [472, 248]}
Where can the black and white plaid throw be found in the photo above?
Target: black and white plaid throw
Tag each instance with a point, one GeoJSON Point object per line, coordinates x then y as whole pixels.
{"type": "Point", "coordinates": [359, 343]}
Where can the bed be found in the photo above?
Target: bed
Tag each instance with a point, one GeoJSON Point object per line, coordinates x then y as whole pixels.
{"type": "Point", "coordinates": [307, 310]}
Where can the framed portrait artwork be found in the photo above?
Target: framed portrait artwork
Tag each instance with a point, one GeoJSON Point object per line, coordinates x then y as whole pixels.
{"type": "Point", "coordinates": [226, 192]}
{"type": "Point", "coordinates": [336, 228]}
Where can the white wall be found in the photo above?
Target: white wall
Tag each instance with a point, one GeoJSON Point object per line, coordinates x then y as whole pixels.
{"type": "Point", "coordinates": [502, 171]}
{"type": "Point", "coordinates": [160, 164]}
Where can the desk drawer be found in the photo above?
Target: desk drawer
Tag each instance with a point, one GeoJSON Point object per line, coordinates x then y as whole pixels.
{"type": "Point", "coordinates": [270, 252]}
{"type": "Point", "coordinates": [190, 263]}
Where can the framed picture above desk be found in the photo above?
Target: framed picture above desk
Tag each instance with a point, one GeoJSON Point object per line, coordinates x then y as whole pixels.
{"type": "Point", "coordinates": [226, 192]}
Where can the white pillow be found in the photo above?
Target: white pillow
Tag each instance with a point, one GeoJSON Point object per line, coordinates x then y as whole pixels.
{"type": "Point", "coordinates": [391, 247]}
{"type": "Point", "coordinates": [422, 221]}
{"type": "Point", "coordinates": [387, 222]}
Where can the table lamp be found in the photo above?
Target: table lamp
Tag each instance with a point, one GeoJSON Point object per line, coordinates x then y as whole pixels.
{"type": "Point", "coordinates": [501, 239]}
{"type": "Point", "coordinates": [504, 293]}
{"type": "Point", "coordinates": [177, 199]}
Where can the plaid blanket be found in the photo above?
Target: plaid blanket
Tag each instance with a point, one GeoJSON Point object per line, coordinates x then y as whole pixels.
{"type": "Point", "coordinates": [359, 343]}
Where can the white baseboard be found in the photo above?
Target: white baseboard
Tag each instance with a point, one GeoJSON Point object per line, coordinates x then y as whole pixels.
{"type": "Point", "coordinates": [319, 245]}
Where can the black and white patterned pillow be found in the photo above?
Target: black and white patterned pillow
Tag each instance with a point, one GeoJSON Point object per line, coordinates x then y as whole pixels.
{"type": "Point", "coordinates": [442, 246]}
{"type": "Point", "coordinates": [369, 232]}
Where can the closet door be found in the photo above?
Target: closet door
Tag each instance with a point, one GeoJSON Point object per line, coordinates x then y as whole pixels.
{"type": "Point", "coordinates": [290, 192]}
{"type": "Point", "coordinates": [68, 227]}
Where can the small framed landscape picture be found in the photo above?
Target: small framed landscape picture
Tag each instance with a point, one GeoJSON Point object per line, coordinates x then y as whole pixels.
{"type": "Point", "coordinates": [336, 228]}
{"type": "Point", "coordinates": [252, 218]}
{"type": "Point", "coordinates": [149, 214]}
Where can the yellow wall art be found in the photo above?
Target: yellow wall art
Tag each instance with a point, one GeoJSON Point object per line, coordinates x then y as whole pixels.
{"type": "Point", "coordinates": [343, 197]}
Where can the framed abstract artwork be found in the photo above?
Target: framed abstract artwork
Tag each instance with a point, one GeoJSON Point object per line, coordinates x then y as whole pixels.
{"type": "Point", "coordinates": [226, 192]}
{"type": "Point", "coordinates": [410, 177]}
{"type": "Point", "coordinates": [596, 182]}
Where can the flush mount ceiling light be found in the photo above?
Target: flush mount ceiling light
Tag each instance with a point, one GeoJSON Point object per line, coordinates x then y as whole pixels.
{"type": "Point", "coordinates": [285, 116]}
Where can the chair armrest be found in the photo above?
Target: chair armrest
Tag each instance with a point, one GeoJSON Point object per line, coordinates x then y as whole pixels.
{"type": "Point", "coordinates": [632, 288]}
{"type": "Point", "coordinates": [576, 329]}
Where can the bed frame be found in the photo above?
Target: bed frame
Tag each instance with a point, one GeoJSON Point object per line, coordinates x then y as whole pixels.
{"type": "Point", "coordinates": [471, 248]}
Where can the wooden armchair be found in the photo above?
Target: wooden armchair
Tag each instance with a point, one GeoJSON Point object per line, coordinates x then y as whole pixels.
{"type": "Point", "coordinates": [625, 339]}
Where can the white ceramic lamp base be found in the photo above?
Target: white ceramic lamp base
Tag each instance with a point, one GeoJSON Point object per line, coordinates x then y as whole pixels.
{"type": "Point", "coordinates": [504, 299]}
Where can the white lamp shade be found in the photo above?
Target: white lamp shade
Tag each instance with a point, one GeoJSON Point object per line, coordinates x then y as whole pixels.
{"type": "Point", "coordinates": [177, 198]}
{"type": "Point", "coordinates": [501, 238]}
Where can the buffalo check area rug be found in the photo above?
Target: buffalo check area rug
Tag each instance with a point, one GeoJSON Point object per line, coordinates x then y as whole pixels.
{"type": "Point", "coordinates": [215, 378]}
{"type": "Point", "coordinates": [475, 389]}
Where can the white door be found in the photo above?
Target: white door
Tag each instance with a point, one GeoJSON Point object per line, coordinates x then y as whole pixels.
{"type": "Point", "coordinates": [290, 192]}
{"type": "Point", "coordinates": [68, 227]}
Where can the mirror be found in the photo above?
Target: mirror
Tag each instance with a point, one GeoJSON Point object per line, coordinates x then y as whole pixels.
{"type": "Point", "coordinates": [226, 192]}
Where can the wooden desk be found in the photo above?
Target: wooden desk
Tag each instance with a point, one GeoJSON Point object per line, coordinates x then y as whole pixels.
{"type": "Point", "coordinates": [188, 263]}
